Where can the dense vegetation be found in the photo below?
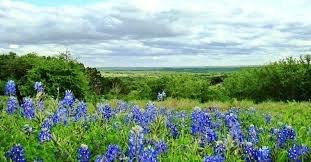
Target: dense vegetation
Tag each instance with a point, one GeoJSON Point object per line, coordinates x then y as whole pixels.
{"type": "Point", "coordinates": [71, 130]}
{"type": "Point", "coordinates": [44, 115]}
{"type": "Point", "coordinates": [288, 79]}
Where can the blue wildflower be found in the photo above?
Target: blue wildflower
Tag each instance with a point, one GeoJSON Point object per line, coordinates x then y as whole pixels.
{"type": "Point", "coordinates": [105, 111]}
{"type": "Point", "coordinates": [296, 152]}
{"type": "Point", "coordinates": [285, 134]}
{"type": "Point", "coordinates": [68, 99]}
{"type": "Point", "coordinates": [40, 105]}
{"type": "Point", "coordinates": [216, 158]}
{"type": "Point", "coordinates": [263, 155]}
{"type": "Point", "coordinates": [267, 118]}
{"type": "Point", "coordinates": [148, 155]}
{"type": "Point", "coordinates": [10, 88]}
{"type": "Point", "coordinates": [160, 147]}
{"type": "Point", "coordinates": [200, 120]}
{"type": "Point", "coordinates": [135, 143]}
{"type": "Point", "coordinates": [16, 154]}
{"type": "Point", "coordinates": [11, 105]}
{"type": "Point", "coordinates": [60, 115]}
{"type": "Point", "coordinates": [112, 153]}
{"type": "Point", "coordinates": [172, 129]}
{"type": "Point", "coordinates": [47, 123]}
{"type": "Point", "coordinates": [208, 136]}
{"type": "Point", "coordinates": [219, 148]}
{"type": "Point", "coordinates": [250, 151]}
{"type": "Point", "coordinates": [28, 110]}
{"type": "Point", "coordinates": [83, 153]}
{"type": "Point", "coordinates": [252, 134]}
{"type": "Point", "coordinates": [44, 135]}
{"type": "Point", "coordinates": [81, 111]}
{"type": "Point", "coordinates": [38, 87]}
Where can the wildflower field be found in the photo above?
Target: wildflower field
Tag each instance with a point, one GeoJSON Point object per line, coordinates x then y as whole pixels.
{"type": "Point", "coordinates": [44, 129]}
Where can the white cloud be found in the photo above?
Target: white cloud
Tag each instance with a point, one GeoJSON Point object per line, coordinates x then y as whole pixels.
{"type": "Point", "coordinates": [160, 32]}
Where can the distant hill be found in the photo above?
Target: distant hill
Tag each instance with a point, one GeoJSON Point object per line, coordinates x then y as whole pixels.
{"type": "Point", "coordinates": [177, 69]}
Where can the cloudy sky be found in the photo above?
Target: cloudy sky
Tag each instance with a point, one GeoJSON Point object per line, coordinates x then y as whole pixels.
{"type": "Point", "coordinates": [158, 32]}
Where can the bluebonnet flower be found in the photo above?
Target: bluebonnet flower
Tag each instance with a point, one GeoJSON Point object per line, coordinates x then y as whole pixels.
{"type": "Point", "coordinates": [105, 111]}
{"type": "Point", "coordinates": [137, 115]}
{"type": "Point", "coordinates": [263, 155]}
{"type": "Point", "coordinates": [38, 87]}
{"type": "Point", "coordinates": [40, 105]}
{"type": "Point", "coordinates": [216, 158]}
{"type": "Point", "coordinates": [150, 113]}
{"type": "Point", "coordinates": [219, 148]}
{"type": "Point", "coordinates": [135, 142]}
{"type": "Point", "coordinates": [250, 152]}
{"type": "Point", "coordinates": [252, 134]}
{"type": "Point", "coordinates": [285, 134]}
{"type": "Point", "coordinates": [16, 154]}
{"type": "Point", "coordinates": [28, 110]}
{"type": "Point", "coordinates": [173, 129]}
{"type": "Point", "coordinates": [47, 123]}
{"type": "Point", "coordinates": [200, 121]}
{"type": "Point", "coordinates": [121, 106]}
{"type": "Point", "coordinates": [296, 152]}
{"type": "Point", "coordinates": [44, 135]}
{"type": "Point", "coordinates": [148, 155]}
{"type": "Point", "coordinates": [60, 115]}
{"type": "Point", "coordinates": [81, 111]}
{"type": "Point", "coordinates": [208, 136]}
{"type": "Point", "coordinates": [232, 123]}
{"type": "Point", "coordinates": [267, 118]}
{"type": "Point", "coordinates": [10, 88]}
{"type": "Point", "coordinates": [160, 147]}
{"type": "Point", "coordinates": [83, 153]}
{"type": "Point", "coordinates": [236, 134]}
{"type": "Point", "coordinates": [111, 154]}
{"type": "Point", "coordinates": [68, 99]}
{"type": "Point", "coordinates": [11, 105]}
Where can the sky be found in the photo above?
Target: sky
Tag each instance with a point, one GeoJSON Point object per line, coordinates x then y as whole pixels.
{"type": "Point", "coordinates": [158, 33]}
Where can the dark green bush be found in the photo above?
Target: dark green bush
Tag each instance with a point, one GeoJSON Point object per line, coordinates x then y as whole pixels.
{"type": "Point", "coordinates": [288, 79]}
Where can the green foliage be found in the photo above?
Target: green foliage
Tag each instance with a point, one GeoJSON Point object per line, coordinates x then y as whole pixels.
{"type": "Point", "coordinates": [288, 79]}
{"type": "Point", "coordinates": [57, 73]}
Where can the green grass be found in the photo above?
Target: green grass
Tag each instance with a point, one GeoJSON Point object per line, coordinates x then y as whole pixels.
{"type": "Point", "coordinates": [98, 135]}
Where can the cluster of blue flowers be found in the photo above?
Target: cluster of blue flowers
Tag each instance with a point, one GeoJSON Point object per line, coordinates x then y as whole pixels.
{"type": "Point", "coordinates": [68, 99]}
{"type": "Point", "coordinates": [16, 154]}
{"type": "Point", "coordinates": [215, 158]}
{"type": "Point", "coordinates": [28, 109]}
{"type": "Point", "coordinates": [284, 134]}
{"type": "Point", "coordinates": [10, 88]}
{"type": "Point", "coordinates": [12, 105]}
{"type": "Point", "coordinates": [44, 135]}
{"type": "Point", "coordinates": [81, 111]}
{"type": "Point", "coordinates": [233, 124]}
{"type": "Point", "coordinates": [38, 86]}
{"type": "Point", "coordinates": [105, 111]}
{"type": "Point", "coordinates": [296, 152]}
{"type": "Point", "coordinates": [83, 153]}
{"type": "Point", "coordinates": [205, 126]}
{"type": "Point", "coordinates": [143, 118]}
{"type": "Point", "coordinates": [252, 134]}
{"type": "Point", "coordinates": [112, 153]}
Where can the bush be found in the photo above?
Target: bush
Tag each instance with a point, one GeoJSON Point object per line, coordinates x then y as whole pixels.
{"type": "Point", "coordinates": [288, 79]}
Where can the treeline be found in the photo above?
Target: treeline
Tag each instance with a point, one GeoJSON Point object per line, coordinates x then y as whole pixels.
{"type": "Point", "coordinates": [288, 79]}
{"type": "Point", "coordinates": [56, 73]}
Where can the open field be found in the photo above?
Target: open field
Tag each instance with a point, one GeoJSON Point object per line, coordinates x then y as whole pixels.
{"type": "Point", "coordinates": [170, 130]}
